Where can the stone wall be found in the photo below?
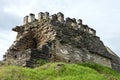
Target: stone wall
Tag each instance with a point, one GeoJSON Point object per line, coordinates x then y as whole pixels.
{"type": "Point", "coordinates": [53, 38]}
{"type": "Point", "coordinates": [72, 54]}
{"type": "Point", "coordinates": [60, 18]}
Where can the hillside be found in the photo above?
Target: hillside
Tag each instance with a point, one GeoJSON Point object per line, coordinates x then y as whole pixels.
{"type": "Point", "coordinates": [59, 71]}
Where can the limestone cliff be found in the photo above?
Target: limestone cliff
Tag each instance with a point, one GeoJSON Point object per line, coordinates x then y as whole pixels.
{"type": "Point", "coordinates": [54, 39]}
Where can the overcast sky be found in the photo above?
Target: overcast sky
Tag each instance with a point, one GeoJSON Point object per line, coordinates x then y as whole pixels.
{"type": "Point", "coordinates": [102, 15]}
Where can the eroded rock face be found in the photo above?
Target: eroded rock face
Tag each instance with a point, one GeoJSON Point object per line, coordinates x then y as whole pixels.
{"type": "Point", "coordinates": [54, 39]}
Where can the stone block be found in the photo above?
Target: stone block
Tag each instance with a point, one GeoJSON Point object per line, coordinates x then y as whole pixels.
{"type": "Point", "coordinates": [31, 18]}
{"type": "Point", "coordinates": [40, 15]}
{"type": "Point", "coordinates": [79, 21]}
{"type": "Point", "coordinates": [18, 29]}
{"type": "Point", "coordinates": [60, 17]}
{"type": "Point", "coordinates": [68, 21]}
{"type": "Point", "coordinates": [46, 16]}
{"type": "Point", "coordinates": [92, 31]}
{"type": "Point", "coordinates": [74, 24]}
{"type": "Point", "coordinates": [86, 28]}
{"type": "Point", "coordinates": [25, 20]}
{"type": "Point", "coordinates": [53, 17]}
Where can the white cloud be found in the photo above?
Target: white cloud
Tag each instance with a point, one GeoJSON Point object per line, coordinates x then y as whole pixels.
{"type": "Point", "coordinates": [6, 39]}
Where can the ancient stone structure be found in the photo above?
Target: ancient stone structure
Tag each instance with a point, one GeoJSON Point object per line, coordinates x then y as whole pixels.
{"type": "Point", "coordinates": [52, 38]}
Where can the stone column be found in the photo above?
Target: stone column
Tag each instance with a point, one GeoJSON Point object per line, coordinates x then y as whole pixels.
{"type": "Point", "coordinates": [92, 31]}
{"type": "Point", "coordinates": [74, 24]}
{"type": "Point", "coordinates": [86, 28]}
{"type": "Point", "coordinates": [25, 20]}
{"type": "Point", "coordinates": [31, 17]}
{"type": "Point", "coordinates": [60, 17]}
{"type": "Point", "coordinates": [74, 20]}
{"type": "Point", "coordinates": [68, 21]}
{"type": "Point", "coordinates": [46, 15]}
{"type": "Point", "coordinates": [40, 15]}
{"type": "Point", "coordinates": [53, 17]}
{"type": "Point", "coordinates": [79, 22]}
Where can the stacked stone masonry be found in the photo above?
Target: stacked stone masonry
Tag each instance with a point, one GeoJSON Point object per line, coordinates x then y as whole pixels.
{"type": "Point", "coordinates": [53, 38]}
{"type": "Point", "coordinates": [60, 18]}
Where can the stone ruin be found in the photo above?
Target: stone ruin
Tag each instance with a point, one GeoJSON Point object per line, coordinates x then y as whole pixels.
{"type": "Point", "coordinates": [53, 38]}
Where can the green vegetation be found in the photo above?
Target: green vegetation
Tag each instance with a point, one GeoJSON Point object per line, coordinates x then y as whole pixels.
{"type": "Point", "coordinates": [59, 71]}
{"type": "Point", "coordinates": [41, 62]}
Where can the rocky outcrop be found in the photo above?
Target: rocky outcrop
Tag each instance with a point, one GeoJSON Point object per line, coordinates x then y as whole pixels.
{"type": "Point", "coordinates": [52, 38]}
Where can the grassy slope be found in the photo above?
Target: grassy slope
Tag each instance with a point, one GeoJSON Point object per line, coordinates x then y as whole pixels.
{"type": "Point", "coordinates": [59, 71]}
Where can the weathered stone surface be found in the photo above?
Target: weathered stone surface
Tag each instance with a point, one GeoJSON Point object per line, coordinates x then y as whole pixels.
{"type": "Point", "coordinates": [25, 21]}
{"type": "Point", "coordinates": [31, 17]}
{"type": "Point", "coordinates": [53, 39]}
{"type": "Point", "coordinates": [60, 17]}
{"type": "Point", "coordinates": [40, 15]}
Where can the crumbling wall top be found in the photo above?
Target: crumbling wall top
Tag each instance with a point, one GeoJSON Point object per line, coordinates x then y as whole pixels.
{"type": "Point", "coordinates": [59, 17]}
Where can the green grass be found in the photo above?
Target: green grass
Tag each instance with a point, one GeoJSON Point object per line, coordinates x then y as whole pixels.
{"type": "Point", "coordinates": [59, 71]}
